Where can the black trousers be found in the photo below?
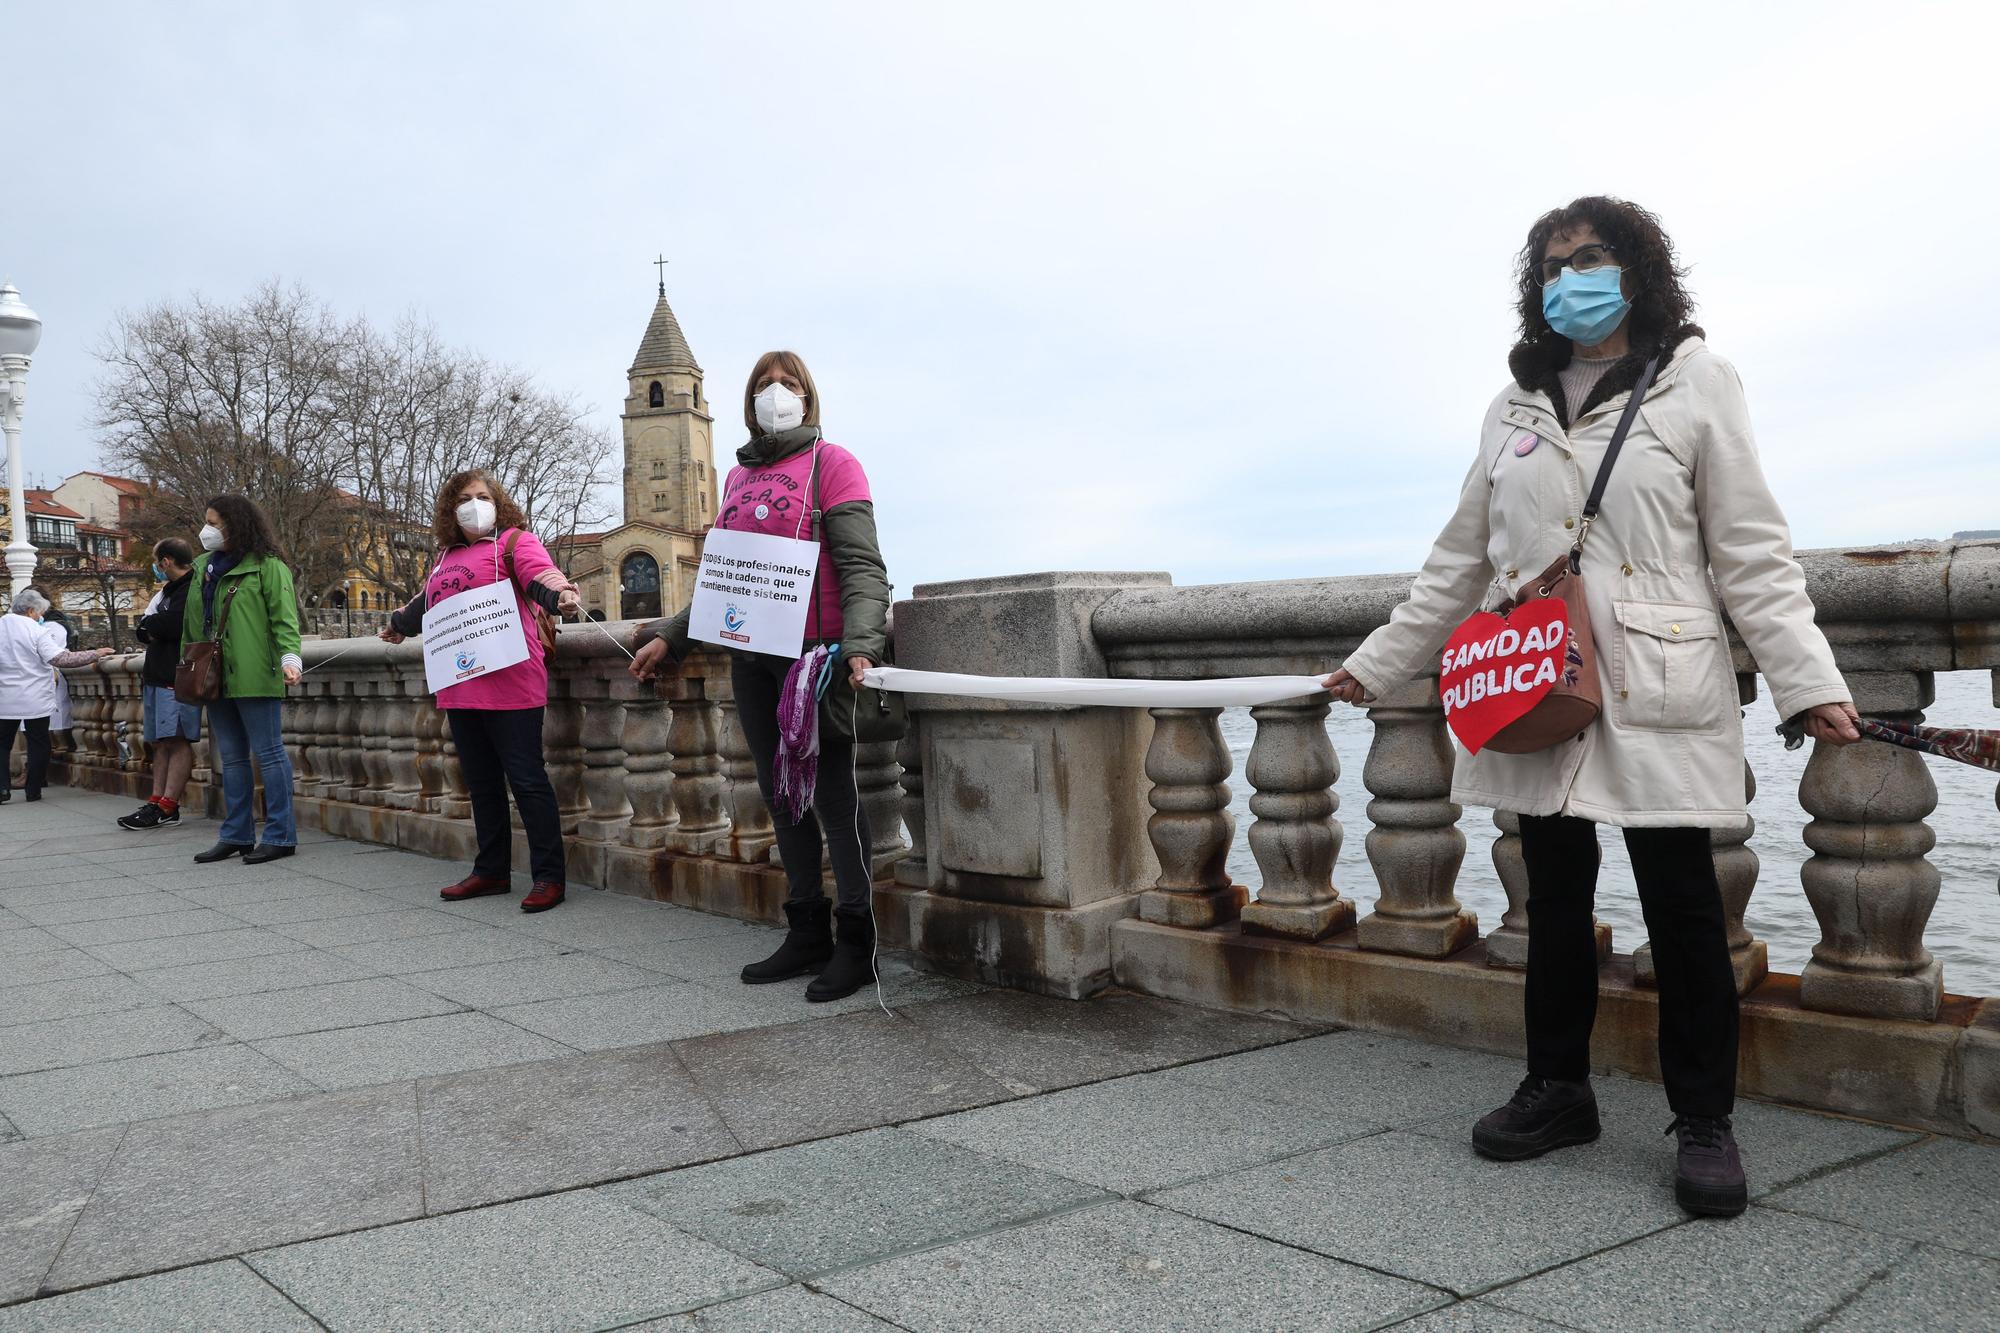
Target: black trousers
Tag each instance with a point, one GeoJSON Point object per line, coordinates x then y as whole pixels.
{"type": "Point", "coordinates": [500, 748]}
{"type": "Point", "coordinates": [1675, 869]}
{"type": "Point", "coordinates": [38, 750]}
{"type": "Point", "coordinates": [836, 822]}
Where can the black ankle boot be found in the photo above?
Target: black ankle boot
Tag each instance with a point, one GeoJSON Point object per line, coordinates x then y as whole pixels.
{"type": "Point", "coordinates": [853, 962]}
{"type": "Point", "coordinates": [808, 944]}
{"type": "Point", "coordinates": [1543, 1114]}
{"type": "Point", "coordinates": [1708, 1175]}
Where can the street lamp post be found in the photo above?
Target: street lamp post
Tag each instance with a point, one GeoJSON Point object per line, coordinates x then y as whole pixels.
{"type": "Point", "coordinates": [347, 602]}
{"type": "Point", "coordinates": [20, 333]}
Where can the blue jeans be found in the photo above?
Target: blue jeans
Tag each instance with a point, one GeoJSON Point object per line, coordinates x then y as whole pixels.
{"type": "Point", "coordinates": [246, 727]}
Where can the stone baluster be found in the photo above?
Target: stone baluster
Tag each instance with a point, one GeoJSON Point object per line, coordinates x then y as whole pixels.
{"type": "Point", "coordinates": [603, 764]}
{"type": "Point", "coordinates": [879, 779]}
{"type": "Point", "coordinates": [1870, 880]}
{"type": "Point", "coordinates": [376, 725]}
{"type": "Point", "coordinates": [1736, 869]}
{"type": "Point", "coordinates": [454, 801]}
{"type": "Point", "coordinates": [1413, 839]}
{"type": "Point", "coordinates": [131, 721]}
{"type": "Point", "coordinates": [350, 763]}
{"type": "Point", "coordinates": [697, 767]}
{"type": "Point", "coordinates": [562, 744]}
{"type": "Point", "coordinates": [914, 870]}
{"type": "Point", "coordinates": [431, 758]}
{"type": "Point", "coordinates": [751, 833]}
{"type": "Point", "coordinates": [1191, 827]}
{"type": "Point", "coordinates": [649, 780]}
{"type": "Point", "coordinates": [1508, 946]}
{"type": "Point", "coordinates": [306, 760]}
{"type": "Point", "coordinates": [1296, 839]}
{"type": "Point", "coordinates": [406, 710]}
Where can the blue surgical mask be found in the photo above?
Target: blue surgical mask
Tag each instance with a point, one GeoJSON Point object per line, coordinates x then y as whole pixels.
{"type": "Point", "coordinates": [1585, 307]}
{"type": "Point", "coordinates": [159, 575]}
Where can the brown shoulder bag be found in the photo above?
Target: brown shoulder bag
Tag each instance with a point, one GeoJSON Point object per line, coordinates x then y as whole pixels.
{"type": "Point", "coordinates": [198, 675]}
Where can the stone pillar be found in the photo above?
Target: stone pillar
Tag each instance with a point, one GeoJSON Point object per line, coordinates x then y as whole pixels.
{"type": "Point", "coordinates": [375, 739]}
{"type": "Point", "coordinates": [1870, 881]}
{"type": "Point", "coordinates": [648, 782]}
{"type": "Point", "coordinates": [405, 787]}
{"type": "Point", "coordinates": [751, 833]}
{"type": "Point", "coordinates": [129, 725]}
{"type": "Point", "coordinates": [1508, 946]}
{"type": "Point", "coordinates": [1295, 838]}
{"type": "Point", "coordinates": [1736, 869]}
{"type": "Point", "coordinates": [603, 765]}
{"type": "Point", "coordinates": [351, 766]}
{"type": "Point", "coordinates": [914, 870]}
{"type": "Point", "coordinates": [455, 801]}
{"type": "Point", "coordinates": [697, 768]}
{"type": "Point", "coordinates": [1413, 842]}
{"type": "Point", "coordinates": [562, 744]}
{"type": "Point", "coordinates": [1191, 828]}
{"type": "Point", "coordinates": [432, 758]}
{"type": "Point", "coordinates": [878, 777]}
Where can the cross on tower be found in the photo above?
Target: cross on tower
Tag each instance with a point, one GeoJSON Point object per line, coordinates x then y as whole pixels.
{"type": "Point", "coordinates": [661, 265]}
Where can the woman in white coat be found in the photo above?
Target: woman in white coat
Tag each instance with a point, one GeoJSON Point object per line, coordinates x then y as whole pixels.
{"type": "Point", "coordinates": [1600, 298]}
{"type": "Point", "coordinates": [31, 652]}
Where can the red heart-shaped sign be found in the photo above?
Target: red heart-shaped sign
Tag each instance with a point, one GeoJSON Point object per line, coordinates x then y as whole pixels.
{"type": "Point", "coordinates": [1495, 670]}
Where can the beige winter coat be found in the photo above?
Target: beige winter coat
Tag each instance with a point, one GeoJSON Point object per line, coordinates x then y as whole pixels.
{"type": "Point", "coordinates": [1687, 499]}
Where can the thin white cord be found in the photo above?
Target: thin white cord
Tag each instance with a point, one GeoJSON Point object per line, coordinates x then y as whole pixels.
{"type": "Point", "coordinates": [352, 645]}
{"type": "Point", "coordinates": [613, 637]}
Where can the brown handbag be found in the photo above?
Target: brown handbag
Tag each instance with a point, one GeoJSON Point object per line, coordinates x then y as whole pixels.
{"type": "Point", "coordinates": [1577, 698]}
{"type": "Point", "coordinates": [198, 675]}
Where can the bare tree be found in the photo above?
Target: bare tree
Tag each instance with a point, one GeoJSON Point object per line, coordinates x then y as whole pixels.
{"type": "Point", "coordinates": [94, 584]}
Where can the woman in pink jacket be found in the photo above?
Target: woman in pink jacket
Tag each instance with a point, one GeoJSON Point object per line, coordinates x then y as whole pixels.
{"type": "Point", "coordinates": [496, 719]}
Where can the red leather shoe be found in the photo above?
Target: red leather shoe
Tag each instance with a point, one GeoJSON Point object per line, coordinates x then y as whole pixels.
{"type": "Point", "coordinates": [544, 897]}
{"type": "Point", "coordinates": [475, 886]}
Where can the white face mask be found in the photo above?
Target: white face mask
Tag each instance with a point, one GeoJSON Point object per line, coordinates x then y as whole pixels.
{"type": "Point", "coordinates": [476, 517]}
{"type": "Point", "coordinates": [778, 408]}
{"type": "Point", "coordinates": [211, 537]}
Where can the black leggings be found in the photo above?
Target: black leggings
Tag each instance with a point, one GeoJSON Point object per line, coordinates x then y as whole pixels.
{"type": "Point", "coordinates": [1675, 869]}
{"type": "Point", "coordinates": [38, 750]}
{"type": "Point", "coordinates": [836, 804]}
{"type": "Point", "coordinates": [500, 748]}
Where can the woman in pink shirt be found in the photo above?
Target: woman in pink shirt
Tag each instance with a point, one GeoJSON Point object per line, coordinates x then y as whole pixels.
{"type": "Point", "coordinates": [496, 719]}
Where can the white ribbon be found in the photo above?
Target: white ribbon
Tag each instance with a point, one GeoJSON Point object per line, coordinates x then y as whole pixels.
{"type": "Point", "coordinates": [1231, 692]}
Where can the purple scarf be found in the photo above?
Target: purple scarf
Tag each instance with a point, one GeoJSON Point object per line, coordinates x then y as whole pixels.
{"type": "Point", "coordinates": [798, 735]}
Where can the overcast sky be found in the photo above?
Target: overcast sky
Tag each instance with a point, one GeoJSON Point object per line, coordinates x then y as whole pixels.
{"type": "Point", "coordinates": [1216, 289]}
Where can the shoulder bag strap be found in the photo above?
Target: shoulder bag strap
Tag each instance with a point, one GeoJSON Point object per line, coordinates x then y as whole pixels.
{"type": "Point", "coordinates": [222, 619]}
{"type": "Point", "coordinates": [1625, 418]}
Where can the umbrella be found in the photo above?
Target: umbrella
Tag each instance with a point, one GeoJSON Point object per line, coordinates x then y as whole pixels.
{"type": "Point", "coordinates": [1968, 745]}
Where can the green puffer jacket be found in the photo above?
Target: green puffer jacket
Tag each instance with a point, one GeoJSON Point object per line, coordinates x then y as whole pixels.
{"type": "Point", "coordinates": [850, 544]}
{"type": "Point", "coordinates": [263, 626]}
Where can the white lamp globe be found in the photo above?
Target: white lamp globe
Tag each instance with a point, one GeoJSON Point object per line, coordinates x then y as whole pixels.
{"type": "Point", "coordinates": [20, 327]}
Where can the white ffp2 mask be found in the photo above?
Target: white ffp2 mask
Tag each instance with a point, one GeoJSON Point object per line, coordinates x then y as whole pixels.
{"type": "Point", "coordinates": [476, 517]}
{"type": "Point", "coordinates": [778, 408]}
{"type": "Point", "coordinates": [211, 537]}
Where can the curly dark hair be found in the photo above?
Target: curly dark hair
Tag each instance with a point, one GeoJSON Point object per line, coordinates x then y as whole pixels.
{"type": "Point", "coordinates": [444, 516]}
{"type": "Point", "coordinates": [1660, 303]}
{"type": "Point", "coordinates": [245, 530]}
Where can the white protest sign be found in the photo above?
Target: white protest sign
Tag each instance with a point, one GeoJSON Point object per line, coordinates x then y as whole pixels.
{"type": "Point", "coordinates": [753, 591]}
{"type": "Point", "coordinates": [472, 633]}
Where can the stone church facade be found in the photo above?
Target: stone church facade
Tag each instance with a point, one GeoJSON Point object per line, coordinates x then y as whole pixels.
{"type": "Point", "coordinates": [646, 566]}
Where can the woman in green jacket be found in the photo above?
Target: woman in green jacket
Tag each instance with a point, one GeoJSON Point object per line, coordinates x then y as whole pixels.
{"type": "Point", "coordinates": [242, 597]}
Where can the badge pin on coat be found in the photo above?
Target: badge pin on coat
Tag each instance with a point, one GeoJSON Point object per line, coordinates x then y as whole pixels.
{"type": "Point", "coordinates": [1525, 445]}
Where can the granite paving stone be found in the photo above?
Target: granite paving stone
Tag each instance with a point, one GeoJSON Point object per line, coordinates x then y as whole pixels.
{"type": "Point", "coordinates": [904, 989]}
{"type": "Point", "coordinates": [266, 890]}
{"type": "Point", "coordinates": [384, 869]}
{"type": "Point", "coordinates": [159, 925]}
{"type": "Point", "coordinates": [44, 1184]}
{"type": "Point", "coordinates": [506, 1133]}
{"type": "Point", "coordinates": [838, 1203]}
{"type": "Point", "coordinates": [247, 976]}
{"type": "Point", "coordinates": [402, 924]}
{"type": "Point", "coordinates": [608, 923]}
{"type": "Point", "coordinates": [1125, 1266]}
{"type": "Point", "coordinates": [1936, 1290]}
{"type": "Point", "coordinates": [1945, 1191]}
{"type": "Point", "coordinates": [62, 913]}
{"type": "Point", "coordinates": [565, 1261]}
{"type": "Point", "coordinates": [523, 981]}
{"type": "Point", "coordinates": [783, 1085]}
{"type": "Point", "coordinates": [1143, 1132]}
{"type": "Point", "coordinates": [62, 1042]}
{"type": "Point", "coordinates": [790, 1310]}
{"type": "Point", "coordinates": [1035, 1042]}
{"type": "Point", "coordinates": [17, 941]}
{"type": "Point", "coordinates": [387, 1052]}
{"type": "Point", "coordinates": [72, 997]}
{"type": "Point", "coordinates": [337, 1004]}
{"type": "Point", "coordinates": [636, 1017]}
{"type": "Point", "coordinates": [324, 905]}
{"type": "Point", "coordinates": [199, 1187]}
{"type": "Point", "coordinates": [55, 1101]}
{"type": "Point", "coordinates": [75, 884]}
{"type": "Point", "coordinates": [180, 950]}
{"type": "Point", "coordinates": [713, 954]}
{"type": "Point", "coordinates": [430, 953]}
{"type": "Point", "coordinates": [1764, 1270]}
{"type": "Point", "coordinates": [227, 1297]}
{"type": "Point", "coordinates": [1429, 1211]}
{"type": "Point", "coordinates": [56, 965]}
{"type": "Point", "coordinates": [1779, 1146]}
{"type": "Point", "coordinates": [1476, 1317]}
{"type": "Point", "coordinates": [1387, 1080]}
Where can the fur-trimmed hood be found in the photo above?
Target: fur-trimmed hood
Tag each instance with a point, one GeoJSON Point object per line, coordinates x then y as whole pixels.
{"type": "Point", "coordinates": [1535, 366]}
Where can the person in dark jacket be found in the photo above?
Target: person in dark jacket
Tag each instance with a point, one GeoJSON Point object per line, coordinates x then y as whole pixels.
{"type": "Point", "coordinates": [789, 481]}
{"type": "Point", "coordinates": [172, 728]}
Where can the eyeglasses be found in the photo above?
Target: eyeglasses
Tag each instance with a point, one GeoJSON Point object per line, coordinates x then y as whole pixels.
{"type": "Point", "coordinates": [1583, 259]}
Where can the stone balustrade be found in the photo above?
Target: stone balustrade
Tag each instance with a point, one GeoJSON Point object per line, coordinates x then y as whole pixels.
{"type": "Point", "coordinates": [1065, 849]}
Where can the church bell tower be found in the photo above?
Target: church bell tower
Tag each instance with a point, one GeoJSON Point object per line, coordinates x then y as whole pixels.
{"type": "Point", "coordinates": [670, 479]}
